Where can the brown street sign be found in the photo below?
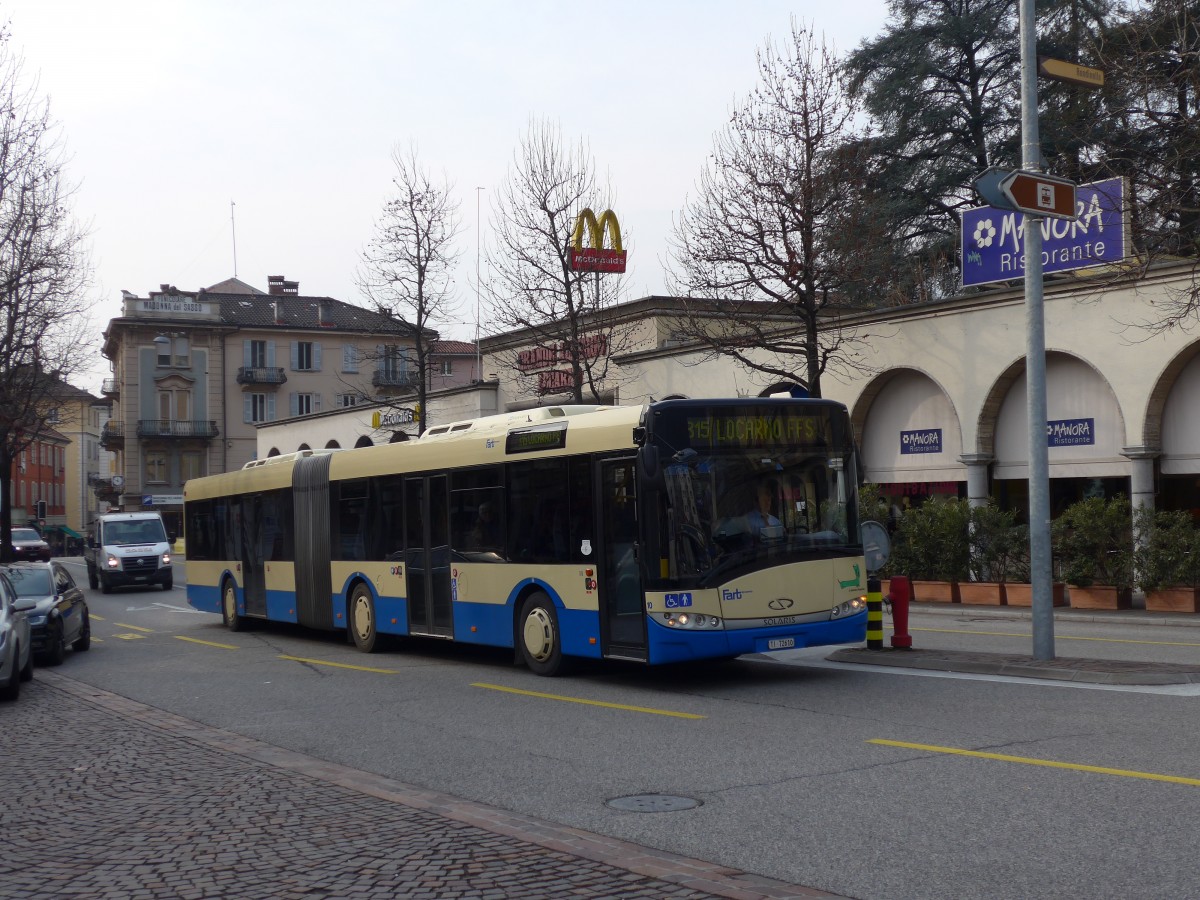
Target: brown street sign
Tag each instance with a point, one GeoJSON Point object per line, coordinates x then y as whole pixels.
{"type": "Point", "coordinates": [1037, 194]}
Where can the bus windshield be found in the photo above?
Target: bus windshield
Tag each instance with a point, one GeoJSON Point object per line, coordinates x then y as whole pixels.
{"type": "Point", "coordinates": [744, 487]}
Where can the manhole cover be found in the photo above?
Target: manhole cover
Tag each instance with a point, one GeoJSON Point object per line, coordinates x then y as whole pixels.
{"type": "Point", "coordinates": [652, 803]}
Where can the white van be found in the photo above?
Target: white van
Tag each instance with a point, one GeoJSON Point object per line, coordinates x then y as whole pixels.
{"type": "Point", "coordinates": [129, 548]}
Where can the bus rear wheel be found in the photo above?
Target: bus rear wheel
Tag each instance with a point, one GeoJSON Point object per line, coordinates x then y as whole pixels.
{"type": "Point", "coordinates": [229, 611]}
{"type": "Point", "coordinates": [541, 647]}
{"type": "Point", "coordinates": [362, 619]}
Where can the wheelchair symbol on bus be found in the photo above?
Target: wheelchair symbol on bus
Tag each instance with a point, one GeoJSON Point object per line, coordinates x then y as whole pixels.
{"type": "Point", "coordinates": [677, 601]}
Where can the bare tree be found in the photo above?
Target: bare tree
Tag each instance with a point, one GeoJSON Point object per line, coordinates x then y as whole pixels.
{"type": "Point", "coordinates": [532, 289]}
{"type": "Point", "coordinates": [773, 233]}
{"type": "Point", "coordinates": [407, 268]}
{"type": "Point", "coordinates": [44, 271]}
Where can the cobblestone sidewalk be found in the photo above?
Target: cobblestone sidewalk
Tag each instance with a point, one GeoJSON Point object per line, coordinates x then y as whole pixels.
{"type": "Point", "coordinates": [109, 798]}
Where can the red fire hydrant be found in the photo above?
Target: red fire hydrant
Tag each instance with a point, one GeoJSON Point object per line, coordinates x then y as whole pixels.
{"type": "Point", "coordinates": [899, 591]}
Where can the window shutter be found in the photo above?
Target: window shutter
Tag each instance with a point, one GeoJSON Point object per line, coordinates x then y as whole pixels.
{"type": "Point", "coordinates": [293, 404]}
{"type": "Point", "coordinates": [271, 354]}
{"type": "Point", "coordinates": [316, 360]}
{"type": "Point", "coordinates": [316, 403]}
{"type": "Point", "coordinates": [380, 358]}
{"type": "Point", "coordinates": [295, 355]}
{"type": "Point", "coordinates": [246, 354]}
{"type": "Point", "coordinates": [246, 408]}
{"type": "Point", "coordinates": [349, 358]}
{"type": "Point", "coordinates": [270, 407]}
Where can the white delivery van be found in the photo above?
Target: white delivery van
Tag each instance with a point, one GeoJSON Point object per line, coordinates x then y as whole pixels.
{"type": "Point", "coordinates": [129, 548]}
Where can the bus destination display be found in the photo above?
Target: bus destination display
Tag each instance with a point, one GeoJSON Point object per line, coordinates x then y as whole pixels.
{"type": "Point", "coordinates": [536, 439]}
{"type": "Point", "coordinates": [734, 431]}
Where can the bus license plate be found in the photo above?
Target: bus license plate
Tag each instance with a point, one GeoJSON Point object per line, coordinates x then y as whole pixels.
{"type": "Point", "coordinates": [781, 643]}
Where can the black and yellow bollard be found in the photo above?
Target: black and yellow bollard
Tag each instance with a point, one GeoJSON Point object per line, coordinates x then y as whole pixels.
{"type": "Point", "coordinates": [874, 614]}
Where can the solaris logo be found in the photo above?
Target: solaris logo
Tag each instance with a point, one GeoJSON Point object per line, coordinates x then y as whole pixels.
{"type": "Point", "coordinates": [984, 233]}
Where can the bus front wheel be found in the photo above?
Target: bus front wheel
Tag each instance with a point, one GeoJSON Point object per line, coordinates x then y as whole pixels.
{"type": "Point", "coordinates": [541, 647]}
{"type": "Point", "coordinates": [362, 619]}
{"type": "Point", "coordinates": [229, 611]}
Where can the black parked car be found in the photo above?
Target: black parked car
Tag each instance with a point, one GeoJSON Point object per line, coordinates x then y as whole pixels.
{"type": "Point", "coordinates": [56, 607]}
{"type": "Point", "coordinates": [28, 544]}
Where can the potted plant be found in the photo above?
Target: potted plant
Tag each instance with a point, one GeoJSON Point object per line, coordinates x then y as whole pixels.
{"type": "Point", "coordinates": [932, 546]}
{"type": "Point", "coordinates": [1093, 549]}
{"type": "Point", "coordinates": [1018, 591]}
{"type": "Point", "coordinates": [994, 536]}
{"type": "Point", "coordinates": [1167, 560]}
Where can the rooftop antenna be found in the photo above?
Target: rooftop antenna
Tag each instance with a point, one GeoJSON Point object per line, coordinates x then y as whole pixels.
{"type": "Point", "coordinates": [233, 231]}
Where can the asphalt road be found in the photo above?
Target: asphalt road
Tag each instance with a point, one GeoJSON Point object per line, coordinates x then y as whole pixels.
{"type": "Point", "coordinates": [839, 778]}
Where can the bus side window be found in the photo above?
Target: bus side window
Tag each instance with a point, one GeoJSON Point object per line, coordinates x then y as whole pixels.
{"type": "Point", "coordinates": [385, 529]}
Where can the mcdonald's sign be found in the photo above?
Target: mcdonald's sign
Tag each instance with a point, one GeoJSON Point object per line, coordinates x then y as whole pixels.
{"type": "Point", "coordinates": [595, 257]}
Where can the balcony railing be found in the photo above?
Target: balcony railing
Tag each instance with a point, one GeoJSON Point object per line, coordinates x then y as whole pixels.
{"type": "Point", "coordinates": [261, 375]}
{"type": "Point", "coordinates": [171, 428]}
{"type": "Point", "coordinates": [112, 436]}
{"type": "Point", "coordinates": [394, 379]}
{"type": "Point", "coordinates": [111, 387]}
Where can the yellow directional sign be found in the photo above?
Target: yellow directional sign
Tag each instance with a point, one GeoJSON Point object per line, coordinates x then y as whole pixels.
{"type": "Point", "coordinates": [1061, 70]}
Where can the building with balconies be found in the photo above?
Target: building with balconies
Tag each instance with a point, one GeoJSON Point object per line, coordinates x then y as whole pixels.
{"type": "Point", "coordinates": [194, 372]}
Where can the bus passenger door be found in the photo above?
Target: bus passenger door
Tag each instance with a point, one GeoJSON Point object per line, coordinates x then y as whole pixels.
{"type": "Point", "coordinates": [622, 608]}
{"type": "Point", "coordinates": [427, 556]}
{"type": "Point", "coordinates": [249, 537]}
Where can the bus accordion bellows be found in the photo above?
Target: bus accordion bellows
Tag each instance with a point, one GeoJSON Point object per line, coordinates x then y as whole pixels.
{"type": "Point", "coordinates": [678, 530]}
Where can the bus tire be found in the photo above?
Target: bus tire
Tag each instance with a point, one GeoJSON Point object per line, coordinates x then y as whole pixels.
{"type": "Point", "coordinates": [538, 635]}
{"type": "Point", "coordinates": [229, 613]}
{"type": "Point", "coordinates": [362, 619]}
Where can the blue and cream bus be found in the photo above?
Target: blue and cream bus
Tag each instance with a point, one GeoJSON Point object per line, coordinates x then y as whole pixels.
{"type": "Point", "coordinates": [679, 530]}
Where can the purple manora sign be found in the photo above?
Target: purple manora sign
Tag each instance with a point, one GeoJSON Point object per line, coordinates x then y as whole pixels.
{"type": "Point", "coordinates": [925, 440]}
{"type": "Point", "coordinates": [993, 240]}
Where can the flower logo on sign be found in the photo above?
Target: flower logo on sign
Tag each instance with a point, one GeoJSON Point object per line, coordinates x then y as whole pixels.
{"type": "Point", "coordinates": [984, 232]}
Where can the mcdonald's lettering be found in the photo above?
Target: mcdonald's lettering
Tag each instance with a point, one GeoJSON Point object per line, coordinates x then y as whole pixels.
{"type": "Point", "coordinates": [590, 346]}
{"type": "Point", "coordinates": [595, 257]}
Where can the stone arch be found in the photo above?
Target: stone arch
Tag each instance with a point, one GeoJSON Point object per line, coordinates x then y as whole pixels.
{"type": "Point", "coordinates": [985, 425]}
{"type": "Point", "coordinates": [1156, 404]}
{"type": "Point", "coordinates": [398, 437]}
{"type": "Point", "coordinates": [274, 451]}
{"type": "Point", "coordinates": [333, 445]}
{"type": "Point", "coordinates": [303, 447]}
{"type": "Point", "coordinates": [908, 429]}
{"type": "Point", "coordinates": [364, 441]}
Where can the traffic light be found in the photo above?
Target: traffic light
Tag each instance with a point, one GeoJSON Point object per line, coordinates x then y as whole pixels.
{"type": "Point", "coordinates": [41, 509]}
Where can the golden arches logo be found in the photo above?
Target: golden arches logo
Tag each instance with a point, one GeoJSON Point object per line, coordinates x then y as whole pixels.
{"type": "Point", "coordinates": [596, 257]}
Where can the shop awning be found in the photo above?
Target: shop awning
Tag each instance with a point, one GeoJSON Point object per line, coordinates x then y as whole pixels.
{"type": "Point", "coordinates": [65, 529]}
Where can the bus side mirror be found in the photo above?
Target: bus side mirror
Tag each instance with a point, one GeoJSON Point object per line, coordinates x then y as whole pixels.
{"type": "Point", "coordinates": [649, 470]}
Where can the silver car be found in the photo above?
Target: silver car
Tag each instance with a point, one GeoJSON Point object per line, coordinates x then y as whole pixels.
{"type": "Point", "coordinates": [16, 643]}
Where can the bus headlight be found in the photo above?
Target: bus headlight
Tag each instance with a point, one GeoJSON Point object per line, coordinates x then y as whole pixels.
{"type": "Point", "coordinates": [694, 621]}
{"type": "Point", "coordinates": [849, 608]}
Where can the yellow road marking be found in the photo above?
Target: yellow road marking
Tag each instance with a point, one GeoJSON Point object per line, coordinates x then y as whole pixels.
{"type": "Point", "coordinates": [321, 662]}
{"type": "Point", "coordinates": [92, 615]}
{"type": "Point", "coordinates": [135, 627]}
{"type": "Point", "coordinates": [180, 637]}
{"type": "Point", "coordinates": [641, 709]}
{"type": "Point", "coordinates": [130, 637]}
{"type": "Point", "coordinates": [1059, 637]}
{"type": "Point", "coordinates": [1102, 770]}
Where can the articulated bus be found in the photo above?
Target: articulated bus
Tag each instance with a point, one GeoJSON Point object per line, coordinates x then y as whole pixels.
{"type": "Point", "coordinates": [679, 530]}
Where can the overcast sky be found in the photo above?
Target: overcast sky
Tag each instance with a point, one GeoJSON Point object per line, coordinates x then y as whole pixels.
{"type": "Point", "coordinates": [171, 110]}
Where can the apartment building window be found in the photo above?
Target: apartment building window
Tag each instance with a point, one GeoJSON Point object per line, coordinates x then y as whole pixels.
{"type": "Point", "coordinates": [156, 466]}
{"type": "Point", "coordinates": [257, 357]}
{"type": "Point", "coordinates": [349, 358]}
{"type": "Point", "coordinates": [304, 404]}
{"type": "Point", "coordinates": [175, 405]}
{"type": "Point", "coordinates": [182, 353]}
{"type": "Point", "coordinates": [191, 465]}
{"type": "Point", "coordinates": [446, 367]}
{"type": "Point", "coordinates": [345, 400]}
{"type": "Point", "coordinates": [258, 407]}
{"type": "Point", "coordinates": [306, 356]}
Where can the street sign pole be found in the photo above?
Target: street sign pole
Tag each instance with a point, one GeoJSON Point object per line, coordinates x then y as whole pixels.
{"type": "Point", "coordinates": [1035, 356]}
